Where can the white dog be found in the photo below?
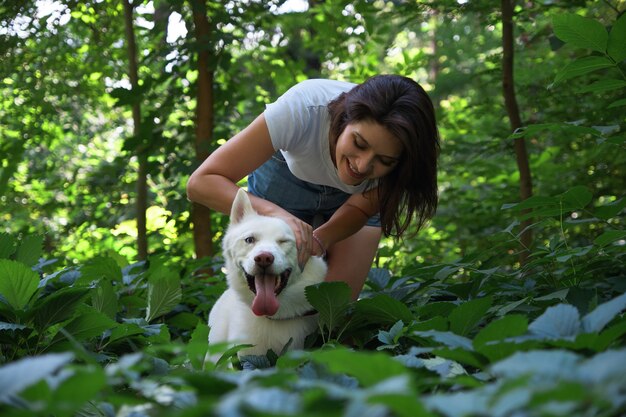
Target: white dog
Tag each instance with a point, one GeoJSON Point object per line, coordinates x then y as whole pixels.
{"type": "Point", "coordinates": [264, 304]}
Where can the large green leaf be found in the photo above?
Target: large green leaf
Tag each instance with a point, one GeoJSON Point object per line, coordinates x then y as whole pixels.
{"type": "Point", "coordinates": [164, 292]}
{"type": "Point", "coordinates": [575, 198]}
{"type": "Point", "coordinates": [369, 368]}
{"type": "Point", "coordinates": [30, 249]}
{"type": "Point", "coordinates": [507, 326]}
{"type": "Point", "coordinates": [558, 322]}
{"type": "Point", "coordinates": [610, 210]}
{"type": "Point", "coordinates": [7, 245]}
{"type": "Point", "coordinates": [617, 40]}
{"type": "Point", "coordinates": [580, 32]}
{"type": "Point", "coordinates": [466, 316]}
{"type": "Point", "coordinates": [18, 375]}
{"type": "Point", "coordinates": [383, 309]}
{"type": "Point", "coordinates": [553, 364]}
{"type": "Point", "coordinates": [58, 306]}
{"type": "Point", "coordinates": [603, 314]}
{"type": "Point", "coordinates": [18, 283]}
{"type": "Point", "coordinates": [609, 237]}
{"type": "Point", "coordinates": [99, 268]}
{"type": "Point", "coordinates": [583, 66]}
{"type": "Point", "coordinates": [104, 298]}
{"type": "Point", "coordinates": [88, 324]}
{"type": "Point", "coordinates": [331, 300]}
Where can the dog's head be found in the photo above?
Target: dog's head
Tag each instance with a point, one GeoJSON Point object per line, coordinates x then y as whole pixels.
{"type": "Point", "coordinates": [261, 256]}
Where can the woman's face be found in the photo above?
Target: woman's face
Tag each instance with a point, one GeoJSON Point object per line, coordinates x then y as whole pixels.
{"type": "Point", "coordinates": [366, 150]}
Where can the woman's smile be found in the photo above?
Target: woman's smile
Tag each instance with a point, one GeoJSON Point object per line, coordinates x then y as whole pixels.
{"type": "Point", "coordinates": [365, 150]}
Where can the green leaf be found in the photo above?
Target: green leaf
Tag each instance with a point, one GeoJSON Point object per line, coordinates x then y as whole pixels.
{"type": "Point", "coordinates": [573, 199]}
{"type": "Point", "coordinates": [558, 322]}
{"type": "Point", "coordinates": [164, 292]}
{"type": "Point", "coordinates": [104, 298]}
{"type": "Point", "coordinates": [583, 66]}
{"type": "Point", "coordinates": [78, 386]}
{"type": "Point", "coordinates": [610, 210]}
{"type": "Point", "coordinates": [198, 345]}
{"type": "Point", "coordinates": [507, 326]}
{"type": "Point", "coordinates": [465, 357]}
{"type": "Point", "coordinates": [609, 237]}
{"type": "Point", "coordinates": [466, 316]}
{"type": "Point", "coordinates": [86, 325]}
{"type": "Point", "coordinates": [393, 335]}
{"type": "Point", "coordinates": [7, 245]}
{"type": "Point", "coordinates": [617, 44]}
{"type": "Point", "coordinates": [449, 339]}
{"type": "Point", "coordinates": [58, 306]}
{"type": "Point", "coordinates": [406, 405]}
{"type": "Point", "coordinates": [331, 300]}
{"type": "Point", "coordinates": [576, 198]}
{"type": "Point", "coordinates": [603, 85]}
{"type": "Point", "coordinates": [581, 32]}
{"type": "Point", "coordinates": [369, 368]}
{"type": "Point", "coordinates": [18, 283]}
{"type": "Point", "coordinates": [30, 250]}
{"type": "Point", "coordinates": [125, 330]}
{"type": "Point", "coordinates": [540, 363]}
{"type": "Point", "coordinates": [18, 375]}
{"type": "Point", "coordinates": [618, 103]}
{"type": "Point", "coordinates": [383, 309]}
{"type": "Point", "coordinates": [99, 268]}
{"type": "Point", "coordinates": [603, 314]}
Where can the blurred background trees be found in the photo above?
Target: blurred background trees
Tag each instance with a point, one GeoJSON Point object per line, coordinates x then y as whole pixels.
{"type": "Point", "coordinates": [72, 154]}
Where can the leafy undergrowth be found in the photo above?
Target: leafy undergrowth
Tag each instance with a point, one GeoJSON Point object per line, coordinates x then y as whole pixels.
{"type": "Point", "coordinates": [470, 338]}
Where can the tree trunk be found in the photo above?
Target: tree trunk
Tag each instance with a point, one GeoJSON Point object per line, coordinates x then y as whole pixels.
{"type": "Point", "coordinates": [141, 203]}
{"type": "Point", "coordinates": [201, 215]}
{"type": "Point", "coordinates": [512, 109]}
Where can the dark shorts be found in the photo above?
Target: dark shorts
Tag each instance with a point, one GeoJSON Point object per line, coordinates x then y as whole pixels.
{"type": "Point", "coordinates": [274, 182]}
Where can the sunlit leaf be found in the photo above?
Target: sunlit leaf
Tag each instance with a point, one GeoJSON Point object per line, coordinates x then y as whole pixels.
{"type": "Point", "coordinates": [164, 293]}
{"type": "Point", "coordinates": [583, 66]}
{"type": "Point", "coordinates": [581, 32]}
{"type": "Point", "coordinates": [7, 245]}
{"type": "Point", "coordinates": [30, 249]}
{"type": "Point", "coordinates": [18, 283]}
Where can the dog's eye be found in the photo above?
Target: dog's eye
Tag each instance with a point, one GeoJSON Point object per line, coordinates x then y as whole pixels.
{"type": "Point", "coordinates": [250, 239]}
{"type": "Point", "coordinates": [283, 241]}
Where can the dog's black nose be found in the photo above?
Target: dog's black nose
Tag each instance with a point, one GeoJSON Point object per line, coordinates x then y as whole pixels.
{"type": "Point", "coordinates": [264, 259]}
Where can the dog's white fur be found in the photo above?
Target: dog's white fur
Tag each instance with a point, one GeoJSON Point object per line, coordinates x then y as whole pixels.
{"type": "Point", "coordinates": [272, 242]}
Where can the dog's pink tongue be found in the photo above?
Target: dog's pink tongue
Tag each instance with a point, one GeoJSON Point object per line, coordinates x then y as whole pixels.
{"type": "Point", "coordinates": [265, 303]}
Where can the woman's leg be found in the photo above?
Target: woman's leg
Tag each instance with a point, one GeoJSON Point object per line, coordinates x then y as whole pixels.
{"type": "Point", "coordinates": [350, 260]}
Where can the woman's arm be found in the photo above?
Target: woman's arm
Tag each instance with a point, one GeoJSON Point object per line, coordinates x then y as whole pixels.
{"type": "Point", "coordinates": [348, 219]}
{"type": "Point", "coordinates": [214, 182]}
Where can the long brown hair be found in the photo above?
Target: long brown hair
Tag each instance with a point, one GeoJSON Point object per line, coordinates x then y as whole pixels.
{"type": "Point", "coordinates": [403, 107]}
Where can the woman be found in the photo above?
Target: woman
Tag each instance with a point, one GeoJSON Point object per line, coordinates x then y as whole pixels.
{"type": "Point", "coordinates": [356, 161]}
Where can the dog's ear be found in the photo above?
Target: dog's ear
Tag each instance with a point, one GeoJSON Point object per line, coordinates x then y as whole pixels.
{"type": "Point", "coordinates": [241, 206]}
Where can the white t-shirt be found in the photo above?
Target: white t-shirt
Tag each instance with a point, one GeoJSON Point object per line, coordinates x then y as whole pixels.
{"type": "Point", "coordinates": [299, 123]}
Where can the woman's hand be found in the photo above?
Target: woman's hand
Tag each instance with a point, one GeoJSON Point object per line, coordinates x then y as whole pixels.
{"type": "Point", "coordinates": [304, 237]}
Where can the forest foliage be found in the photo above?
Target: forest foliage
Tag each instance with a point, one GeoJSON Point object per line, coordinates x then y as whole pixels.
{"type": "Point", "coordinates": [452, 322]}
